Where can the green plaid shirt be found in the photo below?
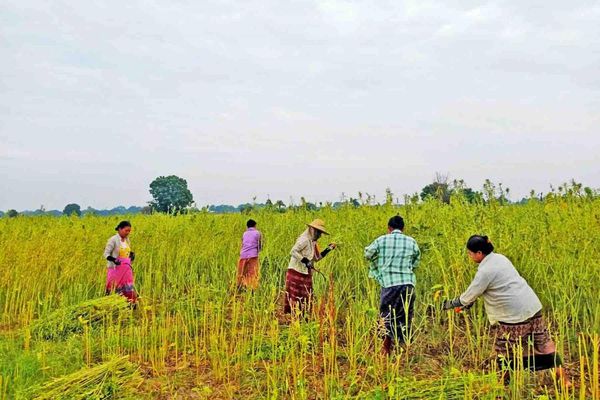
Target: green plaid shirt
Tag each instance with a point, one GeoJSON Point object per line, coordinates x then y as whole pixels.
{"type": "Point", "coordinates": [393, 259]}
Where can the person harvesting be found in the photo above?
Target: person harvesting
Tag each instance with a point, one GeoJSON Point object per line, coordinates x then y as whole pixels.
{"type": "Point", "coordinates": [298, 279]}
{"type": "Point", "coordinates": [119, 276]}
{"type": "Point", "coordinates": [513, 309]}
{"type": "Point", "coordinates": [394, 258]}
{"type": "Point", "coordinates": [248, 269]}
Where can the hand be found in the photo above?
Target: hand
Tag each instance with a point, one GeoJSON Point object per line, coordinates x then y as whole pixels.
{"type": "Point", "coordinates": [131, 256]}
{"type": "Point", "coordinates": [117, 262]}
{"type": "Point", "coordinates": [305, 261]}
{"type": "Point", "coordinates": [331, 246]}
{"type": "Point", "coordinates": [447, 305]}
{"type": "Point", "coordinates": [450, 304]}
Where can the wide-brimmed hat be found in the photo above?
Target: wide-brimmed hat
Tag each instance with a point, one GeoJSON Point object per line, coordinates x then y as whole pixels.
{"type": "Point", "coordinates": [319, 225]}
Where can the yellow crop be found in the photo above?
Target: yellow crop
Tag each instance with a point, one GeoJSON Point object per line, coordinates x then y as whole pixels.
{"type": "Point", "coordinates": [191, 337]}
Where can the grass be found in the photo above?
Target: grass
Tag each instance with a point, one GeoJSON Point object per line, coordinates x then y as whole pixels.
{"type": "Point", "coordinates": [192, 338]}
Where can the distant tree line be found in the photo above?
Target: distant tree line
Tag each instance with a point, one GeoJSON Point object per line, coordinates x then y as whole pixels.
{"type": "Point", "coordinates": [170, 194]}
{"type": "Point", "coordinates": [75, 209]}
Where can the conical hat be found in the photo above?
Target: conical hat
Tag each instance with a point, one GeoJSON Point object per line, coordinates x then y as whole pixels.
{"type": "Point", "coordinates": [319, 225]}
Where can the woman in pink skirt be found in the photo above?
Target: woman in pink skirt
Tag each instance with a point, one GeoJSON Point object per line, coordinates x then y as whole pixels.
{"type": "Point", "coordinates": [119, 277]}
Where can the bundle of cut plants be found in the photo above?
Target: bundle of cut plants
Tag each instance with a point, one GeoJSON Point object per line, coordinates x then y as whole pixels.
{"type": "Point", "coordinates": [72, 319]}
{"type": "Point", "coordinates": [468, 386]}
{"type": "Point", "coordinates": [111, 379]}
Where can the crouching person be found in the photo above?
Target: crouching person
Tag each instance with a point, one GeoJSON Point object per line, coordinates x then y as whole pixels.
{"type": "Point", "coordinates": [393, 258]}
{"type": "Point", "coordinates": [513, 309]}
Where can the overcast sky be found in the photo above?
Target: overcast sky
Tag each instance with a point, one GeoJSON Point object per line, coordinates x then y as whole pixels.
{"type": "Point", "coordinates": [297, 98]}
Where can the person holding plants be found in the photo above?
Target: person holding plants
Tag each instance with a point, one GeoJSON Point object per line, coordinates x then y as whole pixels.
{"type": "Point", "coordinates": [298, 279]}
{"type": "Point", "coordinates": [119, 276]}
{"type": "Point", "coordinates": [513, 309]}
{"type": "Point", "coordinates": [248, 269]}
{"type": "Point", "coordinates": [394, 258]}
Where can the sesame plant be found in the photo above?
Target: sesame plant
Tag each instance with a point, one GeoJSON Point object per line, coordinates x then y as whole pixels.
{"type": "Point", "coordinates": [194, 336]}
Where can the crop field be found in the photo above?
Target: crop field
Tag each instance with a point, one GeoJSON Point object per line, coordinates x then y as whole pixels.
{"type": "Point", "coordinates": [192, 336]}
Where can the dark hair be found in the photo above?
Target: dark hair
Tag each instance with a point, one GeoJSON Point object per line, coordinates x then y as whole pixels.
{"type": "Point", "coordinates": [480, 243]}
{"type": "Point", "coordinates": [396, 222]}
{"type": "Point", "coordinates": [251, 223]}
{"type": "Point", "coordinates": [123, 224]}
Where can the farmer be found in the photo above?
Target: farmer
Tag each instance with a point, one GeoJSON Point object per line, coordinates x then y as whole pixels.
{"type": "Point", "coordinates": [118, 253]}
{"type": "Point", "coordinates": [393, 258]}
{"type": "Point", "coordinates": [513, 309]}
{"type": "Point", "coordinates": [248, 269]}
{"type": "Point", "coordinates": [298, 279]}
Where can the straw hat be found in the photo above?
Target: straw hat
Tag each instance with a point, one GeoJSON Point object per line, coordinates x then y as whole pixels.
{"type": "Point", "coordinates": [319, 225]}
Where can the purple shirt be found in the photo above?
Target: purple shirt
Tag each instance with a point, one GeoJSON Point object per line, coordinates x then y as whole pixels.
{"type": "Point", "coordinates": [251, 243]}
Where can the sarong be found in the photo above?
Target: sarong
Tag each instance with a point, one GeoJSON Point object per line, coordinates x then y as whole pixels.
{"type": "Point", "coordinates": [120, 280]}
{"type": "Point", "coordinates": [529, 340]}
{"type": "Point", "coordinates": [298, 291]}
{"type": "Point", "coordinates": [396, 308]}
{"type": "Point", "coordinates": [248, 273]}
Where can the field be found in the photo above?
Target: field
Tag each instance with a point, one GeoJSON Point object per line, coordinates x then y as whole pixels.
{"type": "Point", "coordinates": [192, 337]}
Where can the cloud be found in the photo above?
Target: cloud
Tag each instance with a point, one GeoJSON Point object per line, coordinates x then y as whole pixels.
{"type": "Point", "coordinates": [243, 97]}
{"type": "Point", "coordinates": [343, 14]}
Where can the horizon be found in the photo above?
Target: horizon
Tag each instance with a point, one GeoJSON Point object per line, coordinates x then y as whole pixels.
{"type": "Point", "coordinates": [378, 198]}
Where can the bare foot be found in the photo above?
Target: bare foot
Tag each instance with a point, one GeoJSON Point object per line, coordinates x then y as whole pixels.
{"type": "Point", "coordinates": [563, 378]}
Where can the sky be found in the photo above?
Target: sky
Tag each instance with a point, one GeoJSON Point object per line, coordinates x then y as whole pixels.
{"type": "Point", "coordinates": [284, 99]}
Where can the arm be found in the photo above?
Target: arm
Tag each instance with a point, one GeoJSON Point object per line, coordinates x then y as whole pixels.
{"type": "Point", "coordinates": [416, 256]}
{"type": "Point", "coordinates": [466, 300]}
{"type": "Point", "coordinates": [372, 251]}
{"type": "Point", "coordinates": [131, 253]}
{"type": "Point", "coordinates": [110, 246]}
{"type": "Point", "coordinates": [371, 254]}
{"type": "Point", "coordinates": [477, 287]}
{"type": "Point", "coordinates": [328, 249]}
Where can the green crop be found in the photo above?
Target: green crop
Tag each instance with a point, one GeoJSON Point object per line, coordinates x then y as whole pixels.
{"type": "Point", "coordinates": [192, 336]}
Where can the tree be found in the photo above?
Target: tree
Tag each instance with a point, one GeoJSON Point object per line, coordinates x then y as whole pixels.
{"type": "Point", "coordinates": [71, 209]}
{"type": "Point", "coordinates": [280, 205]}
{"type": "Point", "coordinates": [170, 194]}
{"type": "Point", "coordinates": [246, 208]}
{"type": "Point", "coordinates": [12, 213]}
{"type": "Point", "coordinates": [459, 187]}
{"type": "Point", "coordinates": [439, 189]}
{"type": "Point", "coordinates": [306, 205]}
{"type": "Point", "coordinates": [147, 210]}
{"type": "Point", "coordinates": [589, 192]}
{"type": "Point", "coordinates": [269, 204]}
{"type": "Point", "coordinates": [471, 195]}
{"type": "Point", "coordinates": [442, 189]}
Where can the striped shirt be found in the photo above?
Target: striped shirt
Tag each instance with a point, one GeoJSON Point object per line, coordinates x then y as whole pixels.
{"type": "Point", "coordinates": [393, 259]}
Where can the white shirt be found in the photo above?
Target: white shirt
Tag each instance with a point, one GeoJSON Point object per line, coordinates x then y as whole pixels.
{"type": "Point", "coordinates": [304, 247]}
{"type": "Point", "coordinates": [506, 295]}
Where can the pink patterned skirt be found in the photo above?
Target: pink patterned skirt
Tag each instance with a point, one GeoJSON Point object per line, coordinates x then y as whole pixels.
{"type": "Point", "coordinates": [120, 280]}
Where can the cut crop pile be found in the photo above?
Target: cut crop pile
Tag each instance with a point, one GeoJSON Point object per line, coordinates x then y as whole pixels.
{"type": "Point", "coordinates": [104, 381]}
{"type": "Point", "coordinates": [72, 319]}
